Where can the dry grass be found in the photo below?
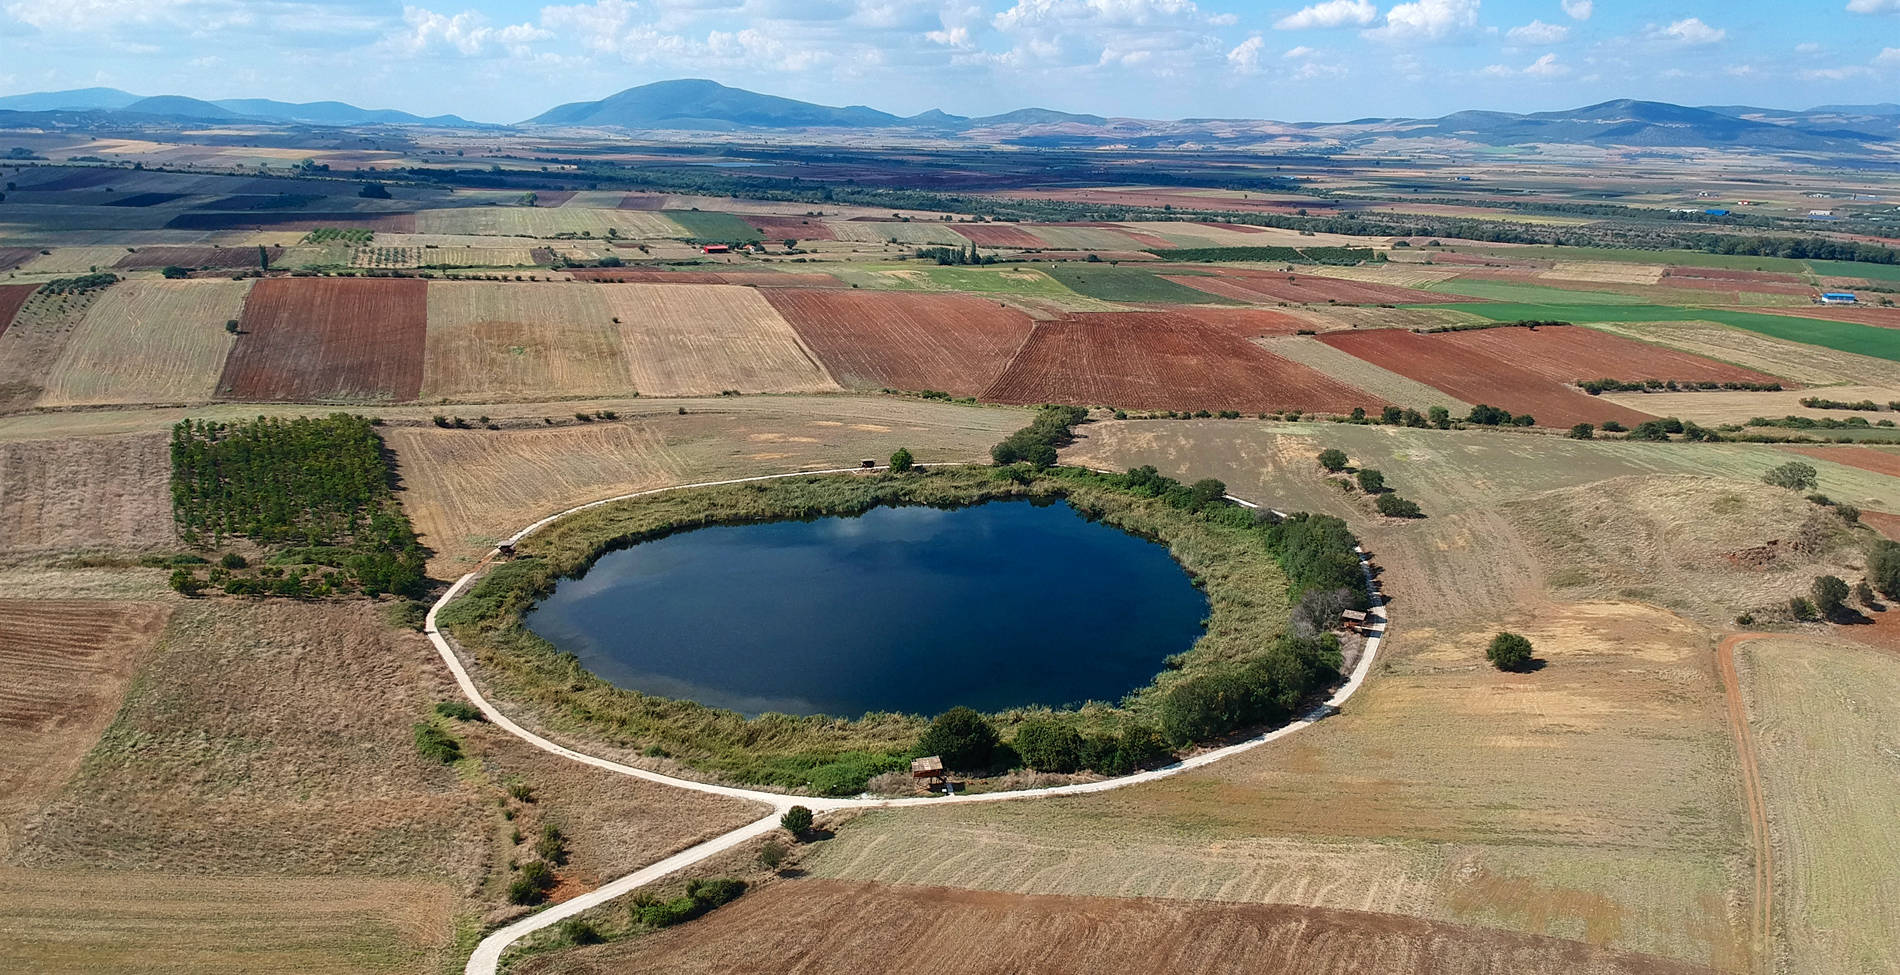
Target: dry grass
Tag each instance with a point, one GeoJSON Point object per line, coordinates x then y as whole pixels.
{"type": "Point", "coordinates": [74, 260]}
{"type": "Point", "coordinates": [811, 926]}
{"type": "Point", "coordinates": [154, 923]}
{"type": "Point", "coordinates": [1347, 368]}
{"type": "Point", "coordinates": [515, 221]}
{"type": "Point", "coordinates": [1605, 272]}
{"type": "Point", "coordinates": [521, 341]}
{"type": "Point", "coordinates": [67, 663]}
{"type": "Point", "coordinates": [911, 234]}
{"type": "Point", "coordinates": [1717, 407]}
{"type": "Point", "coordinates": [149, 342]}
{"type": "Point", "coordinates": [31, 346]}
{"type": "Point", "coordinates": [1823, 717]}
{"type": "Point", "coordinates": [466, 489]}
{"type": "Point", "coordinates": [701, 339]}
{"type": "Point", "coordinates": [85, 494]}
{"type": "Point", "coordinates": [1396, 275]}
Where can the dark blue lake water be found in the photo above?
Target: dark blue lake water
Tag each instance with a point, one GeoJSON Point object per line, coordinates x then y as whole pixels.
{"type": "Point", "coordinates": [908, 609]}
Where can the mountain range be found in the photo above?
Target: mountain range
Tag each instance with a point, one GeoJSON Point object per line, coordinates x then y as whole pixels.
{"type": "Point", "coordinates": [697, 105]}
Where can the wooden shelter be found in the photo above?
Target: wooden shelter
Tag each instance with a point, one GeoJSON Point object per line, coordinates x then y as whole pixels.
{"type": "Point", "coordinates": [1352, 621]}
{"type": "Point", "coordinates": [929, 767]}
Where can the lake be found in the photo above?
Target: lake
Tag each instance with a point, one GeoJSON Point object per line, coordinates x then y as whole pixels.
{"type": "Point", "coordinates": [909, 609]}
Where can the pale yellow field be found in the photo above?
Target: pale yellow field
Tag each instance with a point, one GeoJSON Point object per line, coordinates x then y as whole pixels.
{"type": "Point", "coordinates": [95, 493]}
{"type": "Point", "coordinates": [916, 232]}
{"type": "Point", "coordinates": [1609, 272]}
{"type": "Point", "coordinates": [700, 339]}
{"type": "Point", "coordinates": [148, 341]}
{"type": "Point", "coordinates": [1348, 368]}
{"type": "Point", "coordinates": [511, 341]}
{"type": "Point", "coordinates": [377, 255]}
{"type": "Point", "coordinates": [518, 221]}
{"type": "Point", "coordinates": [1205, 235]}
{"type": "Point", "coordinates": [1808, 364]}
{"type": "Point", "coordinates": [1824, 718]}
{"type": "Point", "coordinates": [74, 260]}
{"type": "Point", "coordinates": [1397, 275]}
{"type": "Point", "coordinates": [1723, 406]}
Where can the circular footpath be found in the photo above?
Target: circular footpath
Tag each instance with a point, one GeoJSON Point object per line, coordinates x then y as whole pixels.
{"type": "Point", "coordinates": [487, 955]}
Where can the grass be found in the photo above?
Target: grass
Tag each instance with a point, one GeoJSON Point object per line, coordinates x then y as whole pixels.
{"type": "Point", "coordinates": [1245, 587]}
{"type": "Point", "coordinates": [1109, 282]}
{"type": "Point", "coordinates": [711, 225]}
{"type": "Point", "coordinates": [1867, 340]}
{"type": "Point", "coordinates": [1877, 273]}
{"type": "Point", "coordinates": [1735, 262]}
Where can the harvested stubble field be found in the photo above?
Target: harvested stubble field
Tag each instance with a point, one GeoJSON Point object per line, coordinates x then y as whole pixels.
{"type": "Point", "coordinates": [1155, 360]}
{"type": "Point", "coordinates": [1713, 407]}
{"type": "Point", "coordinates": [74, 260]}
{"type": "Point", "coordinates": [1277, 286]}
{"type": "Point", "coordinates": [1097, 237]}
{"type": "Point", "coordinates": [148, 341]}
{"type": "Point", "coordinates": [153, 258]}
{"type": "Point", "coordinates": [320, 339]}
{"type": "Point", "coordinates": [954, 343]}
{"type": "Point", "coordinates": [1478, 377]}
{"type": "Point", "coordinates": [1823, 717]}
{"type": "Point", "coordinates": [830, 926]}
{"type": "Point", "coordinates": [85, 494]}
{"type": "Point", "coordinates": [34, 341]}
{"type": "Point", "coordinates": [1806, 364]}
{"type": "Point", "coordinates": [1390, 273]}
{"type": "Point", "coordinates": [1573, 353]}
{"type": "Point", "coordinates": [685, 340]}
{"type": "Point", "coordinates": [489, 340]}
{"type": "Point", "coordinates": [999, 235]}
{"type": "Point", "coordinates": [543, 222]}
{"type": "Point", "coordinates": [1383, 383]}
{"type": "Point", "coordinates": [911, 233]}
{"type": "Point", "coordinates": [12, 296]}
{"type": "Point", "coordinates": [67, 663]}
{"type": "Point", "coordinates": [466, 489]}
{"type": "Point", "coordinates": [759, 279]}
{"type": "Point", "coordinates": [12, 257]}
{"type": "Point", "coordinates": [1607, 272]}
{"type": "Point", "coordinates": [790, 228]}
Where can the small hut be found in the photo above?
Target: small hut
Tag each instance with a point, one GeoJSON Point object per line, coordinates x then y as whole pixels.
{"type": "Point", "coordinates": [929, 767]}
{"type": "Point", "coordinates": [507, 550]}
{"type": "Point", "coordinates": [1352, 621]}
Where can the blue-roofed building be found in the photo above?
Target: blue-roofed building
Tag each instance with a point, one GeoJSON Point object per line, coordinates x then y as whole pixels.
{"type": "Point", "coordinates": [1716, 213]}
{"type": "Point", "coordinates": [1839, 298]}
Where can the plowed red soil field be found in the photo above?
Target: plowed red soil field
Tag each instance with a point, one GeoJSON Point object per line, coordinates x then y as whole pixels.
{"type": "Point", "coordinates": [643, 201]}
{"type": "Point", "coordinates": [1569, 354]}
{"type": "Point", "coordinates": [320, 339]}
{"type": "Point", "coordinates": [999, 235]}
{"type": "Point", "coordinates": [1158, 360]}
{"type": "Point", "coordinates": [1865, 458]}
{"type": "Point", "coordinates": [838, 927]}
{"type": "Point", "coordinates": [1736, 288]}
{"type": "Point", "coordinates": [791, 228]}
{"type": "Point", "coordinates": [552, 198]}
{"type": "Point", "coordinates": [1247, 323]}
{"type": "Point", "coordinates": [12, 257]}
{"type": "Point", "coordinates": [12, 296]}
{"type": "Point", "coordinates": [761, 279]}
{"type": "Point", "coordinates": [955, 343]}
{"type": "Point", "coordinates": [1475, 376]}
{"type": "Point", "coordinates": [1250, 285]}
{"type": "Point", "coordinates": [151, 258]}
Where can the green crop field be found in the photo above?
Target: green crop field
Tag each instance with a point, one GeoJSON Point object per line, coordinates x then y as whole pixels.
{"type": "Point", "coordinates": [1113, 283]}
{"type": "Point", "coordinates": [1737, 262]}
{"type": "Point", "coordinates": [1867, 340]}
{"type": "Point", "coordinates": [1885, 273]}
{"type": "Point", "coordinates": [1530, 294]}
{"type": "Point", "coordinates": [1000, 279]}
{"type": "Point", "coordinates": [710, 225]}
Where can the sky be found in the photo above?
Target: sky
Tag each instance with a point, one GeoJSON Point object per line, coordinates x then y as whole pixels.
{"type": "Point", "coordinates": [1332, 60]}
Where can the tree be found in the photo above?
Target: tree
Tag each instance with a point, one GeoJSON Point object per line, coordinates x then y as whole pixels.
{"type": "Point", "coordinates": [797, 820]}
{"type": "Point", "coordinates": [901, 461]}
{"type": "Point", "coordinates": [1370, 480]}
{"type": "Point", "coordinates": [1206, 491]}
{"type": "Point", "coordinates": [175, 272]}
{"type": "Point", "coordinates": [1794, 475]}
{"type": "Point", "coordinates": [1864, 594]}
{"type": "Point", "coordinates": [1333, 459]}
{"type": "Point", "coordinates": [1049, 746]}
{"type": "Point", "coordinates": [1393, 506]}
{"type": "Point", "coordinates": [964, 739]}
{"type": "Point", "coordinates": [1440, 417]}
{"type": "Point", "coordinates": [1829, 595]}
{"type": "Point", "coordinates": [186, 582]}
{"type": "Point", "coordinates": [1486, 415]}
{"type": "Point", "coordinates": [1883, 568]}
{"type": "Point", "coordinates": [1392, 416]}
{"type": "Point", "coordinates": [1583, 431]}
{"type": "Point", "coordinates": [1508, 651]}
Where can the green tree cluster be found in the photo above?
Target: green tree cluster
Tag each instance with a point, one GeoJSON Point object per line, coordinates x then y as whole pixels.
{"type": "Point", "coordinates": [1265, 691]}
{"type": "Point", "coordinates": [1037, 443]}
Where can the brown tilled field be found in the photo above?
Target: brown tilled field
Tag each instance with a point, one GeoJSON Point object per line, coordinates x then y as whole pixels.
{"type": "Point", "coordinates": [842, 927]}
{"type": "Point", "coordinates": [1866, 458]}
{"type": "Point", "coordinates": [763, 279]}
{"type": "Point", "coordinates": [148, 341]}
{"type": "Point", "coordinates": [66, 662]}
{"type": "Point", "coordinates": [12, 257]}
{"type": "Point", "coordinates": [999, 235]}
{"type": "Point", "coordinates": [790, 228]}
{"type": "Point", "coordinates": [1479, 377]}
{"type": "Point", "coordinates": [1154, 360]}
{"type": "Point", "coordinates": [958, 344]}
{"type": "Point", "coordinates": [85, 494]}
{"type": "Point", "coordinates": [12, 296]}
{"type": "Point", "coordinates": [1246, 323]}
{"type": "Point", "coordinates": [1569, 354]}
{"type": "Point", "coordinates": [489, 340]}
{"type": "Point", "coordinates": [689, 340]}
{"type": "Point", "coordinates": [1271, 286]}
{"type": "Point", "coordinates": [153, 258]}
{"type": "Point", "coordinates": [322, 339]}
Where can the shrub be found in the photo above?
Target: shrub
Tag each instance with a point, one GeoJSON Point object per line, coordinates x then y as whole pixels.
{"type": "Point", "coordinates": [1393, 506]}
{"type": "Point", "coordinates": [1864, 593]}
{"type": "Point", "coordinates": [435, 743]}
{"type": "Point", "coordinates": [1440, 417]}
{"type": "Point", "coordinates": [174, 272]}
{"type": "Point", "coordinates": [1883, 568]}
{"type": "Point", "coordinates": [187, 582]}
{"type": "Point", "coordinates": [1486, 415]}
{"type": "Point", "coordinates": [521, 792]}
{"type": "Point", "coordinates": [232, 560]}
{"type": "Point", "coordinates": [459, 710]}
{"type": "Point", "coordinates": [1333, 459]}
{"type": "Point", "coordinates": [772, 855]}
{"type": "Point", "coordinates": [576, 931]}
{"type": "Point", "coordinates": [552, 846]}
{"type": "Point", "coordinates": [531, 884]}
{"type": "Point", "coordinates": [1036, 443]}
{"type": "Point", "coordinates": [964, 739]}
{"type": "Point", "coordinates": [1508, 651]}
{"type": "Point", "coordinates": [1801, 608]}
{"type": "Point", "coordinates": [901, 461]}
{"type": "Point", "coordinates": [1049, 746]}
{"type": "Point", "coordinates": [1583, 431]}
{"type": "Point", "coordinates": [797, 820]}
{"type": "Point", "coordinates": [715, 892]}
{"type": "Point", "coordinates": [1612, 426]}
{"type": "Point", "coordinates": [1370, 481]}
{"type": "Point", "coordinates": [1829, 594]}
{"type": "Point", "coordinates": [1794, 475]}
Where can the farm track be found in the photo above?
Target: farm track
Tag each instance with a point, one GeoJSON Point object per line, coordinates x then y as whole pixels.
{"type": "Point", "coordinates": [487, 955]}
{"type": "Point", "coordinates": [1762, 917]}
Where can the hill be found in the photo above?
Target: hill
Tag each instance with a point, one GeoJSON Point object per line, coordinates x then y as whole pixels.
{"type": "Point", "coordinates": [701, 104]}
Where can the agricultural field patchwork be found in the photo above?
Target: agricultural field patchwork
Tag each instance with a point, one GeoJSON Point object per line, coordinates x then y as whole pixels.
{"type": "Point", "coordinates": [705, 339]}
{"type": "Point", "coordinates": [149, 342]}
{"type": "Point", "coordinates": [507, 341]}
{"type": "Point", "coordinates": [1476, 376]}
{"type": "Point", "coordinates": [956, 344]}
{"type": "Point", "coordinates": [316, 339]}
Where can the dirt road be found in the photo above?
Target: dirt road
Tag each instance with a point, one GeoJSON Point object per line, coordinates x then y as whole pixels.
{"type": "Point", "coordinates": [1762, 920]}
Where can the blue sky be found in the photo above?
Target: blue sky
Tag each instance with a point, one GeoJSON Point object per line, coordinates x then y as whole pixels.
{"type": "Point", "coordinates": [1332, 60]}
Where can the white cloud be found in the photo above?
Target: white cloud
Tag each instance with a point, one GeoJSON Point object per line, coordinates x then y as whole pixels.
{"type": "Point", "coordinates": [1842, 73]}
{"type": "Point", "coordinates": [1741, 70]}
{"type": "Point", "coordinates": [1245, 57]}
{"type": "Point", "coordinates": [1544, 67]}
{"type": "Point", "coordinates": [1332, 13]}
{"type": "Point", "coordinates": [1537, 32]}
{"type": "Point", "coordinates": [1427, 20]}
{"type": "Point", "coordinates": [1873, 6]}
{"type": "Point", "coordinates": [1807, 47]}
{"type": "Point", "coordinates": [1888, 56]}
{"type": "Point", "coordinates": [1295, 53]}
{"type": "Point", "coordinates": [1691, 31]}
{"type": "Point", "coordinates": [466, 33]}
{"type": "Point", "coordinates": [1163, 37]}
{"type": "Point", "coordinates": [1579, 9]}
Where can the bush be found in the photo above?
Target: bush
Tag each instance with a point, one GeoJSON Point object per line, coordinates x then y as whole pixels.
{"type": "Point", "coordinates": [232, 560]}
{"type": "Point", "coordinates": [1794, 475]}
{"type": "Point", "coordinates": [1393, 506]}
{"type": "Point", "coordinates": [772, 855]}
{"type": "Point", "coordinates": [1037, 443]}
{"type": "Point", "coordinates": [185, 581]}
{"type": "Point", "coordinates": [797, 820]}
{"type": "Point", "coordinates": [552, 846]}
{"type": "Point", "coordinates": [1265, 691]}
{"type": "Point", "coordinates": [1333, 459]}
{"type": "Point", "coordinates": [1864, 593]}
{"type": "Point", "coordinates": [1049, 746]}
{"type": "Point", "coordinates": [531, 884]}
{"type": "Point", "coordinates": [175, 272]}
{"type": "Point", "coordinates": [1508, 651]}
{"type": "Point", "coordinates": [901, 461]}
{"type": "Point", "coordinates": [576, 931]}
{"type": "Point", "coordinates": [964, 739]}
{"type": "Point", "coordinates": [1612, 426]}
{"type": "Point", "coordinates": [459, 710]}
{"type": "Point", "coordinates": [437, 744]}
{"type": "Point", "coordinates": [1370, 480]}
{"type": "Point", "coordinates": [1829, 594]}
{"type": "Point", "coordinates": [1440, 417]}
{"type": "Point", "coordinates": [1801, 608]}
{"type": "Point", "coordinates": [521, 792]}
{"type": "Point", "coordinates": [1583, 431]}
{"type": "Point", "coordinates": [1883, 568]}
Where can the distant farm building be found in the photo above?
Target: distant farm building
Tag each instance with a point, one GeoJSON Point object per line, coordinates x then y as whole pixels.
{"type": "Point", "coordinates": [716, 249]}
{"type": "Point", "coordinates": [1839, 298]}
{"type": "Point", "coordinates": [1716, 213]}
